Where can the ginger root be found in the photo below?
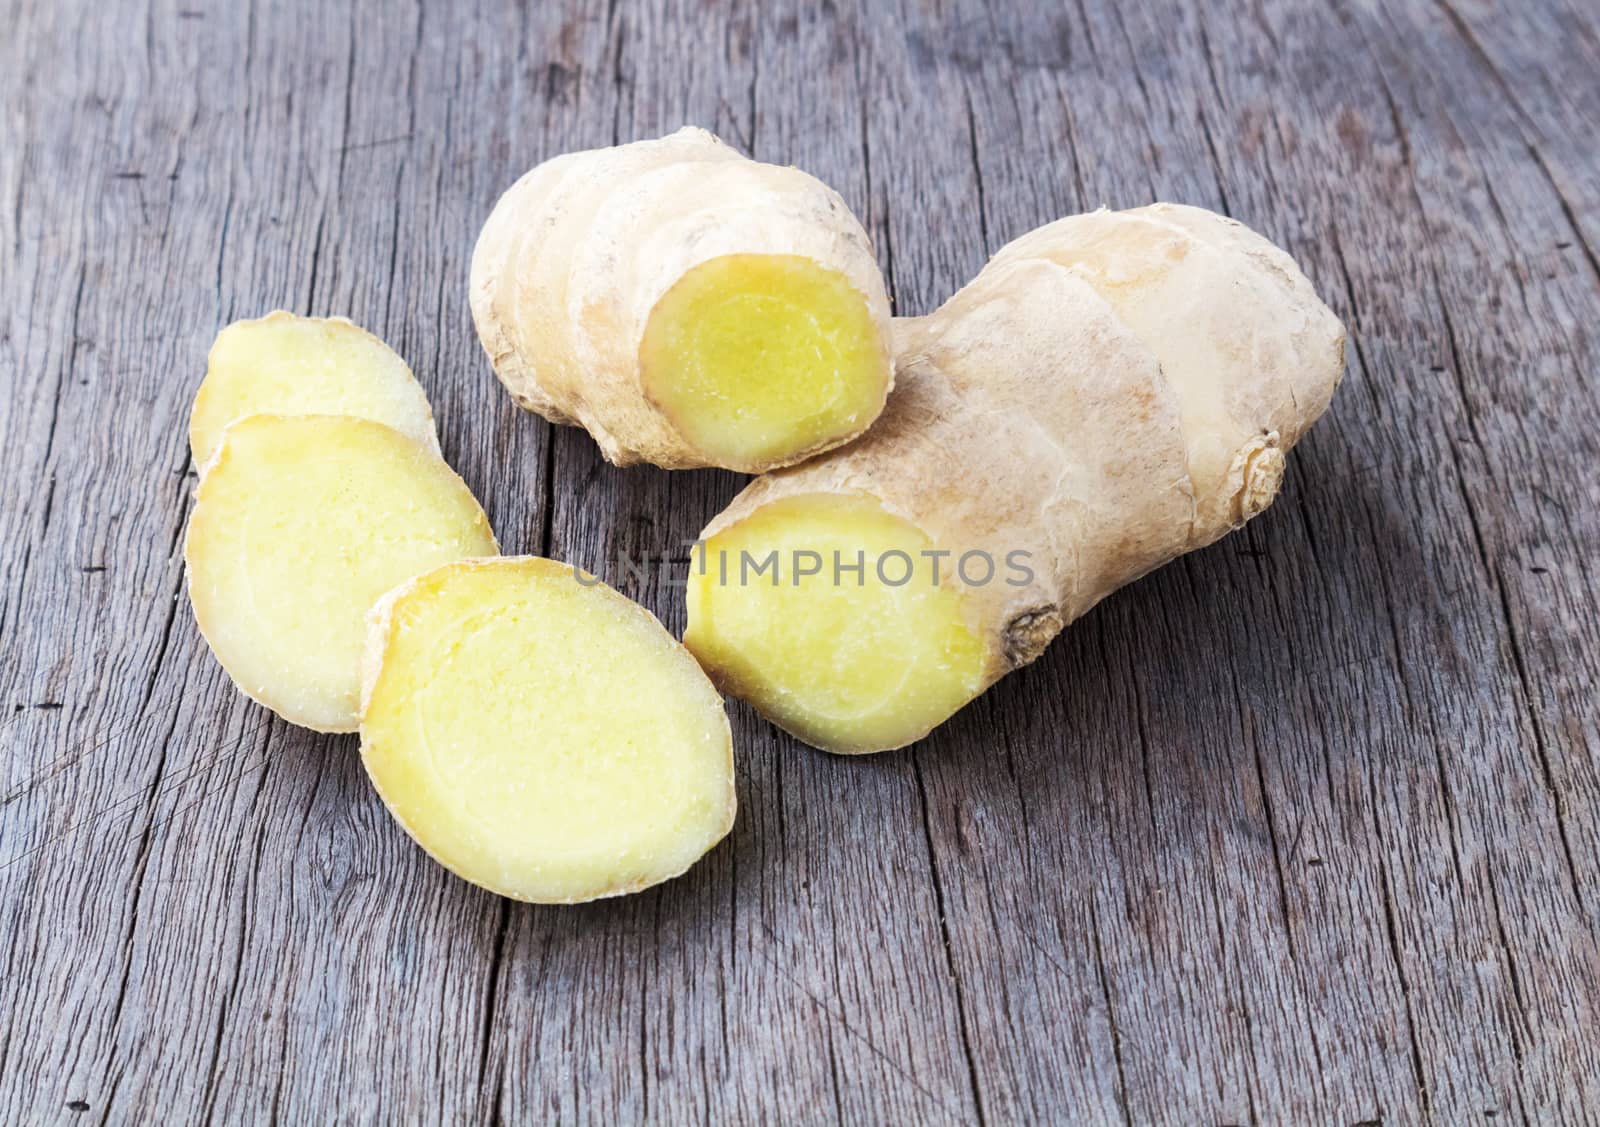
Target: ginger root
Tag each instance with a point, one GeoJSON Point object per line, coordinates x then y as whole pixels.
{"type": "Point", "coordinates": [300, 524]}
{"type": "Point", "coordinates": [539, 734]}
{"type": "Point", "coordinates": [685, 305]}
{"type": "Point", "coordinates": [285, 364]}
{"type": "Point", "coordinates": [1111, 391]}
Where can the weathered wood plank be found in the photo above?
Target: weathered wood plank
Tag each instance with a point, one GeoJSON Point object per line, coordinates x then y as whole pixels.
{"type": "Point", "coordinates": [1300, 829]}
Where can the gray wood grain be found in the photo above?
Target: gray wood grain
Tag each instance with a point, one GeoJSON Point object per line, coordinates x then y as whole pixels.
{"type": "Point", "coordinates": [1304, 828]}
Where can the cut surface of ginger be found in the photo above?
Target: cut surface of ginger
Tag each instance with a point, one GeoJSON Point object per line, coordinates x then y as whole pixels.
{"type": "Point", "coordinates": [300, 524]}
{"type": "Point", "coordinates": [847, 661]}
{"type": "Point", "coordinates": [285, 364]}
{"type": "Point", "coordinates": [540, 735]}
{"type": "Point", "coordinates": [760, 358]}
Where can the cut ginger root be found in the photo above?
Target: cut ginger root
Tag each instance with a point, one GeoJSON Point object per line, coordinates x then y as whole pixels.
{"type": "Point", "coordinates": [285, 364]}
{"type": "Point", "coordinates": [1111, 391]}
{"type": "Point", "coordinates": [541, 735]}
{"type": "Point", "coordinates": [300, 524]}
{"type": "Point", "coordinates": [685, 305]}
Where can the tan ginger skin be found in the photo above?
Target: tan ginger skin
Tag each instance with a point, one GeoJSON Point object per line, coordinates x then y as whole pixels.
{"type": "Point", "coordinates": [1111, 391]}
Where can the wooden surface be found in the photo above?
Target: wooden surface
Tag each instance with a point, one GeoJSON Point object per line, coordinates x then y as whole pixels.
{"type": "Point", "coordinates": [1303, 829]}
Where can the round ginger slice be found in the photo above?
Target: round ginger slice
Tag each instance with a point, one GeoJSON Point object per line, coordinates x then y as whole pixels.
{"type": "Point", "coordinates": [539, 734]}
{"type": "Point", "coordinates": [300, 525]}
{"type": "Point", "coordinates": [285, 364]}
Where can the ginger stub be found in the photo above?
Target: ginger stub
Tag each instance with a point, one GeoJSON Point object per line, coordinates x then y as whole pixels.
{"type": "Point", "coordinates": [300, 524]}
{"type": "Point", "coordinates": [684, 304]}
{"type": "Point", "coordinates": [285, 364]}
{"type": "Point", "coordinates": [1111, 391]}
{"type": "Point", "coordinates": [539, 734]}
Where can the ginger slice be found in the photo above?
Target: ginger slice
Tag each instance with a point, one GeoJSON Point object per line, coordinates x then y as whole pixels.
{"type": "Point", "coordinates": [285, 364]}
{"type": "Point", "coordinates": [539, 734]}
{"type": "Point", "coordinates": [300, 524]}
